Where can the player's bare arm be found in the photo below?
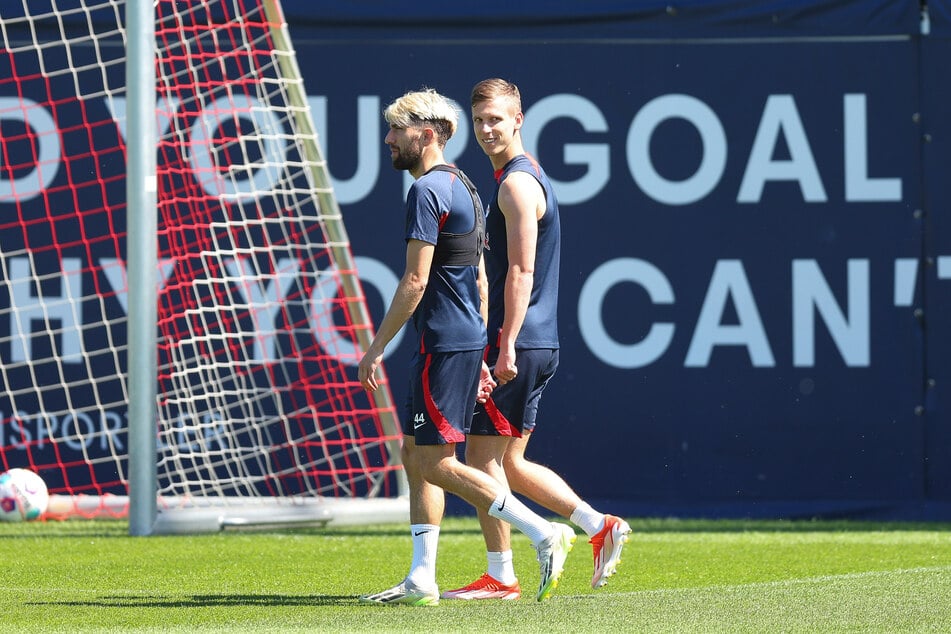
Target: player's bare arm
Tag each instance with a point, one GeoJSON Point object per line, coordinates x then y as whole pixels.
{"type": "Point", "coordinates": [483, 292]}
{"type": "Point", "coordinates": [486, 382]}
{"type": "Point", "coordinates": [522, 202]}
{"type": "Point", "coordinates": [409, 292]}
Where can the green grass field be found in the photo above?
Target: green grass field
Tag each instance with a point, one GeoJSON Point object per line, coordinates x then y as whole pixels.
{"type": "Point", "coordinates": [676, 576]}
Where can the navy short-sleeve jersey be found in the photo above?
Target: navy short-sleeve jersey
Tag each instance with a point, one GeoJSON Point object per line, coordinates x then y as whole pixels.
{"type": "Point", "coordinates": [440, 210]}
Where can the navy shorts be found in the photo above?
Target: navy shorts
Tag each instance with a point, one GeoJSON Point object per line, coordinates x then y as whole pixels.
{"type": "Point", "coordinates": [513, 407]}
{"type": "Point", "coordinates": [443, 387]}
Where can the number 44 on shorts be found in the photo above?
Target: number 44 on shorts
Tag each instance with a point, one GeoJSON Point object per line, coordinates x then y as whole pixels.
{"type": "Point", "coordinates": [419, 420]}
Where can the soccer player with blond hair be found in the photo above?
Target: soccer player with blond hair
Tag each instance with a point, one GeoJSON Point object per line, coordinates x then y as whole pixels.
{"type": "Point", "coordinates": [441, 292]}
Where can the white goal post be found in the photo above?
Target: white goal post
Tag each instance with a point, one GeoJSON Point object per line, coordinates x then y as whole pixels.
{"type": "Point", "coordinates": [184, 332]}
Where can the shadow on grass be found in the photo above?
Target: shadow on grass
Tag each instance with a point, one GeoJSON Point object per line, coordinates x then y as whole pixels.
{"type": "Point", "coordinates": [209, 601]}
{"type": "Point", "coordinates": [466, 526]}
{"type": "Point", "coordinates": [680, 525]}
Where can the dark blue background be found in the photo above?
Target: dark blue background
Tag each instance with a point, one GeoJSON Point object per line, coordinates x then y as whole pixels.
{"type": "Point", "coordinates": [728, 437]}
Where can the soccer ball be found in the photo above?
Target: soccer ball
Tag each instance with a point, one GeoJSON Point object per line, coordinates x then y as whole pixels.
{"type": "Point", "coordinates": [23, 495]}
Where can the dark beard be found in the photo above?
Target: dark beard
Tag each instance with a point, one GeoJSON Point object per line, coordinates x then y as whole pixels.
{"type": "Point", "coordinates": [408, 159]}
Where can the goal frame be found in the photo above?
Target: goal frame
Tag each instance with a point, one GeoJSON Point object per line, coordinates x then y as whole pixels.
{"type": "Point", "coordinates": [149, 513]}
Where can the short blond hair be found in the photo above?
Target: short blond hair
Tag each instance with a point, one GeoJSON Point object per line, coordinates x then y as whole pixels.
{"type": "Point", "coordinates": [424, 106]}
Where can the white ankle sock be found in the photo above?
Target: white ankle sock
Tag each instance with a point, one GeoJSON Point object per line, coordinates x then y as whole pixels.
{"type": "Point", "coordinates": [501, 567]}
{"type": "Point", "coordinates": [587, 519]}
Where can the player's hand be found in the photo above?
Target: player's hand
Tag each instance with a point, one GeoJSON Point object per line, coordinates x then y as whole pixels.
{"type": "Point", "coordinates": [505, 368]}
{"type": "Point", "coordinates": [366, 371]}
{"type": "Point", "coordinates": [486, 384]}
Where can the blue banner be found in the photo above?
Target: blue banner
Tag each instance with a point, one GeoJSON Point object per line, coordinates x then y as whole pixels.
{"type": "Point", "coordinates": [742, 297]}
{"type": "Point", "coordinates": [756, 268]}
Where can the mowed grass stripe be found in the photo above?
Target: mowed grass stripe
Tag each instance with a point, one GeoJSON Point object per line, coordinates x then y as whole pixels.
{"type": "Point", "coordinates": [677, 576]}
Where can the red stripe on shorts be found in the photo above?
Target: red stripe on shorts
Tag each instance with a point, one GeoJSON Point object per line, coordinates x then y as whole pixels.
{"type": "Point", "coordinates": [445, 429]}
{"type": "Point", "coordinates": [500, 422]}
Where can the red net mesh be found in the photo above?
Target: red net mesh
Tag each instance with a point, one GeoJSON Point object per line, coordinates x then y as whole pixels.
{"type": "Point", "coordinates": [257, 340]}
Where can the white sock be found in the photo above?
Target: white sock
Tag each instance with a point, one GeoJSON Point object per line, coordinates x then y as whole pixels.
{"type": "Point", "coordinates": [587, 519]}
{"type": "Point", "coordinates": [501, 567]}
{"type": "Point", "coordinates": [422, 572]}
{"type": "Point", "coordinates": [509, 508]}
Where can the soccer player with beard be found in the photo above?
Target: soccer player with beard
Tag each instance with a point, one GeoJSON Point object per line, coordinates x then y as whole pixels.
{"type": "Point", "coordinates": [440, 291]}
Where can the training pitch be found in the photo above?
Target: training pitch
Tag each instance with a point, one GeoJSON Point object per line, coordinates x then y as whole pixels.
{"type": "Point", "coordinates": [675, 576]}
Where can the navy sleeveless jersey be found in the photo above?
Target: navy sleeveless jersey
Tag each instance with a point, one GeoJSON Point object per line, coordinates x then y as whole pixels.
{"type": "Point", "coordinates": [540, 329]}
{"type": "Point", "coordinates": [441, 211]}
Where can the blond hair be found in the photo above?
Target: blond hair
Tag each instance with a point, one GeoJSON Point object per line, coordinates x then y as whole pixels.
{"type": "Point", "coordinates": [424, 106]}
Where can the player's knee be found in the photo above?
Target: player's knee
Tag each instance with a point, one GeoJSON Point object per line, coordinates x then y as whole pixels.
{"type": "Point", "coordinates": [480, 457]}
{"type": "Point", "coordinates": [438, 472]}
{"type": "Point", "coordinates": [514, 463]}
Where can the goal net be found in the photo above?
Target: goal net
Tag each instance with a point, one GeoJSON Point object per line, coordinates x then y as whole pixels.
{"type": "Point", "coordinates": [261, 318]}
